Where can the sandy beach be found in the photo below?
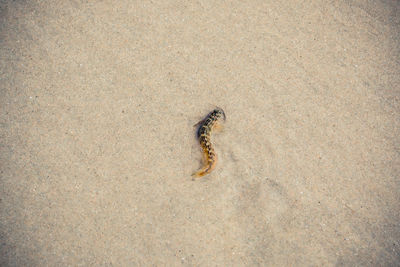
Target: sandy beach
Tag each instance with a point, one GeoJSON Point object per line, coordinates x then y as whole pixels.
{"type": "Point", "coordinates": [98, 105]}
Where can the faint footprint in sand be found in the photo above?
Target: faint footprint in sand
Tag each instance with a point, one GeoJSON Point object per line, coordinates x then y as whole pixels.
{"type": "Point", "coordinates": [260, 201]}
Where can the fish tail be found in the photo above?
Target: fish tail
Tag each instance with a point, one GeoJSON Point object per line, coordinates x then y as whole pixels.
{"type": "Point", "coordinates": [206, 169]}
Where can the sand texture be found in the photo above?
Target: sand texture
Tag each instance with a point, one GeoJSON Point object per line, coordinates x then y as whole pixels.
{"type": "Point", "coordinates": [97, 107]}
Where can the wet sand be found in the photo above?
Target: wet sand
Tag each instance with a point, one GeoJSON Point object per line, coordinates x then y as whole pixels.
{"type": "Point", "coordinates": [99, 99]}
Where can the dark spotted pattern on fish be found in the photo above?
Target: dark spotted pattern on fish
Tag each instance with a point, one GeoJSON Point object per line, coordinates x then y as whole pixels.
{"type": "Point", "coordinates": [204, 136]}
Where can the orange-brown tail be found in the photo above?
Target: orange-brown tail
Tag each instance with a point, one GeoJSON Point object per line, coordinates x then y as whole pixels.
{"type": "Point", "coordinates": [206, 169]}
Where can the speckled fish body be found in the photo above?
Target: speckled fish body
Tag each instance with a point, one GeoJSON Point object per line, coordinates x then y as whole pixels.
{"type": "Point", "coordinates": [204, 135]}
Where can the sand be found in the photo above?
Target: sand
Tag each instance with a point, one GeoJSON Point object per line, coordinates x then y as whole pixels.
{"type": "Point", "coordinates": [98, 103]}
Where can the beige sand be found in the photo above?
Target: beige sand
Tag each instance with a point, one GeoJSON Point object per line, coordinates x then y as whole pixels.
{"type": "Point", "coordinates": [98, 103]}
